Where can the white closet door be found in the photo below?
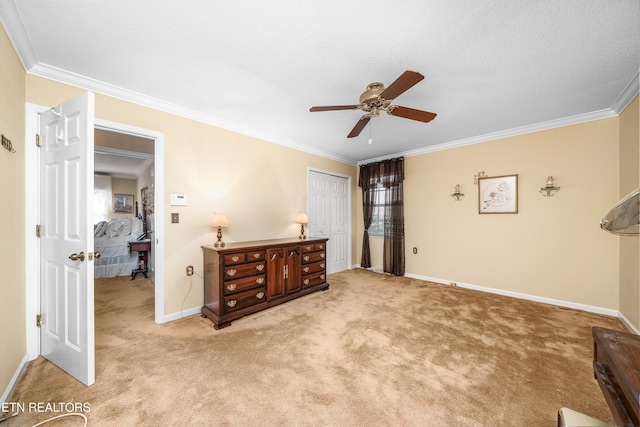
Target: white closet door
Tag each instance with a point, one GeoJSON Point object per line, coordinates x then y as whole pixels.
{"type": "Point", "coordinates": [329, 216]}
{"type": "Point", "coordinates": [339, 219]}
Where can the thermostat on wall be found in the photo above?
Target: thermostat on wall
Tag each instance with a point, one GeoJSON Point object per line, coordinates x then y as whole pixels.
{"type": "Point", "coordinates": [178, 200]}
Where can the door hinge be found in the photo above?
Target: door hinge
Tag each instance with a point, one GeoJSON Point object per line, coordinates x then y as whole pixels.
{"type": "Point", "coordinates": [38, 228]}
{"type": "Point", "coordinates": [38, 320]}
{"type": "Point", "coordinates": [38, 144]}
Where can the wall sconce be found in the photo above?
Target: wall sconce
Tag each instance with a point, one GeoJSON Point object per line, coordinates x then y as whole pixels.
{"type": "Point", "coordinates": [302, 219]}
{"type": "Point", "coordinates": [549, 190]}
{"type": "Point", "coordinates": [457, 194]}
{"type": "Point", "coordinates": [219, 220]}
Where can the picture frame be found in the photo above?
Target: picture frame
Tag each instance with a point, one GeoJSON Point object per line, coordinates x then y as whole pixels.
{"type": "Point", "coordinates": [123, 203]}
{"type": "Point", "coordinates": [498, 194]}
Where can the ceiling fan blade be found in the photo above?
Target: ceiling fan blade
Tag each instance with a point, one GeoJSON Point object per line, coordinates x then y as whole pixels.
{"type": "Point", "coordinates": [403, 83]}
{"type": "Point", "coordinates": [413, 114]}
{"type": "Point", "coordinates": [359, 126]}
{"type": "Point", "coordinates": [333, 108]}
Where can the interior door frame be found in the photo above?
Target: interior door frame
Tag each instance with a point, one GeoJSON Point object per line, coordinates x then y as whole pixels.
{"type": "Point", "coordinates": [349, 203]}
{"type": "Point", "coordinates": [32, 206]}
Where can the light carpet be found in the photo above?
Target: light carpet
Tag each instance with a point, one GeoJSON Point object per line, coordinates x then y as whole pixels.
{"type": "Point", "coordinates": [373, 350]}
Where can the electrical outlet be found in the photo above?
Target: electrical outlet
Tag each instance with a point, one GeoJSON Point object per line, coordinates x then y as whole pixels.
{"type": "Point", "coordinates": [190, 270]}
{"type": "Point", "coordinates": [454, 284]}
{"type": "Point", "coordinates": [415, 250]}
{"type": "Point", "coordinates": [175, 218]}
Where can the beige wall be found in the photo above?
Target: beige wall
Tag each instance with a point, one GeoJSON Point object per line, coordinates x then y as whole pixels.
{"type": "Point", "coordinates": [552, 248]}
{"type": "Point", "coordinates": [629, 181]}
{"type": "Point", "coordinates": [260, 186]}
{"type": "Point", "coordinates": [12, 215]}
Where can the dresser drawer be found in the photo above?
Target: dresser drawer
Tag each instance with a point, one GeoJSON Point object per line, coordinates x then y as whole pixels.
{"type": "Point", "coordinates": [313, 279]}
{"type": "Point", "coordinates": [255, 256]}
{"type": "Point", "coordinates": [245, 299]}
{"type": "Point", "coordinates": [313, 257]}
{"type": "Point", "coordinates": [311, 247]}
{"type": "Point", "coordinates": [314, 268]}
{"type": "Point", "coordinates": [238, 285]}
{"type": "Point", "coordinates": [244, 270]}
{"type": "Point", "coordinates": [242, 257]}
{"type": "Point", "coordinates": [238, 258]}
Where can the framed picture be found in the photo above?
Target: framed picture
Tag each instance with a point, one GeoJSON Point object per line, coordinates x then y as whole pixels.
{"type": "Point", "coordinates": [123, 203]}
{"type": "Point", "coordinates": [498, 194]}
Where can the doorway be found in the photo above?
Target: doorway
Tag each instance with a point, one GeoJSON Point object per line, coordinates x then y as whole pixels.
{"type": "Point", "coordinates": [32, 204]}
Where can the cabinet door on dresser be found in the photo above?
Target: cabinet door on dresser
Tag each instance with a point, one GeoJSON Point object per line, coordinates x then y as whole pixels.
{"type": "Point", "coordinates": [283, 271]}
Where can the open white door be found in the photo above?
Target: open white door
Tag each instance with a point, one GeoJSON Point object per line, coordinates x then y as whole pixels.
{"type": "Point", "coordinates": [66, 219]}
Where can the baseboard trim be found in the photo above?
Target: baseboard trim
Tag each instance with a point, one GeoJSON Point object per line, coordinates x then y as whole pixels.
{"type": "Point", "coordinates": [14, 380]}
{"type": "Point", "coordinates": [179, 315]}
{"type": "Point", "coordinates": [628, 323]}
{"type": "Point", "coordinates": [561, 303]}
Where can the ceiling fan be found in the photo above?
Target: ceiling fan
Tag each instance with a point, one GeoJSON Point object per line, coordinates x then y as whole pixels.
{"type": "Point", "coordinates": [377, 98]}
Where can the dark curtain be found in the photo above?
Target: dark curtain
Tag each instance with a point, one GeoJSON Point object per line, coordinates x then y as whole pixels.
{"type": "Point", "coordinates": [368, 199]}
{"type": "Point", "coordinates": [390, 175]}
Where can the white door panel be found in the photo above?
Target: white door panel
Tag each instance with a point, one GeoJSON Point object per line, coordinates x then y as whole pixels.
{"type": "Point", "coordinates": [66, 186]}
{"type": "Point", "coordinates": [329, 216]}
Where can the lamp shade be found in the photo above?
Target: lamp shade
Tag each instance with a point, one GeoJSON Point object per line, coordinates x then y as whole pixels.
{"type": "Point", "coordinates": [302, 218]}
{"type": "Point", "coordinates": [219, 220]}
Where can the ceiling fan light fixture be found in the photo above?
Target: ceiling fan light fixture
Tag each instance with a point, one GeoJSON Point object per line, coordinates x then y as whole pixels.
{"type": "Point", "coordinates": [377, 99]}
{"type": "Point", "coordinates": [372, 92]}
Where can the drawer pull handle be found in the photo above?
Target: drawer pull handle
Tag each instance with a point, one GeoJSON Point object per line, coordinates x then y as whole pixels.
{"type": "Point", "coordinates": [231, 272]}
{"type": "Point", "coordinates": [306, 269]}
{"type": "Point", "coordinates": [235, 258]}
{"type": "Point", "coordinates": [260, 280]}
{"type": "Point", "coordinates": [260, 267]}
{"type": "Point", "coordinates": [322, 255]}
{"type": "Point", "coordinates": [232, 303]}
{"type": "Point", "coordinates": [231, 287]}
{"type": "Point", "coordinates": [308, 248]}
{"type": "Point", "coordinates": [256, 255]}
{"type": "Point", "coordinates": [260, 295]}
{"type": "Point", "coordinates": [306, 258]}
{"type": "Point", "coordinates": [306, 281]}
{"type": "Point", "coordinates": [322, 276]}
{"type": "Point", "coordinates": [320, 246]}
{"type": "Point", "coordinates": [322, 265]}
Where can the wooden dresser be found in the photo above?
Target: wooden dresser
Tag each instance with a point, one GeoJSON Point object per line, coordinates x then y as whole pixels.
{"type": "Point", "coordinates": [243, 278]}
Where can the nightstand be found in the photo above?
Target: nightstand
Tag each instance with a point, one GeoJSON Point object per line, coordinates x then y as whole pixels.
{"type": "Point", "coordinates": [142, 247]}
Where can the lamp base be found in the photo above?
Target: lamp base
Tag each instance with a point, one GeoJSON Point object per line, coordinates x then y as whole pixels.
{"type": "Point", "coordinates": [302, 236]}
{"type": "Point", "coordinates": [219, 243]}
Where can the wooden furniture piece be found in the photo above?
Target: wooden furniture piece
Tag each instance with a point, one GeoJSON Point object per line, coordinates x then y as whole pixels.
{"type": "Point", "coordinates": [616, 366]}
{"type": "Point", "coordinates": [243, 278]}
{"type": "Point", "coordinates": [142, 247]}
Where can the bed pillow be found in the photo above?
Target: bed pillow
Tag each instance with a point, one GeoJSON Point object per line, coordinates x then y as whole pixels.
{"type": "Point", "coordinates": [100, 228]}
{"type": "Point", "coordinates": [136, 226]}
{"type": "Point", "coordinates": [126, 227]}
{"type": "Point", "coordinates": [114, 227]}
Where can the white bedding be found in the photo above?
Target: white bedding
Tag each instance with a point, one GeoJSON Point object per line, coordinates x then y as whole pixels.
{"type": "Point", "coordinates": [112, 243]}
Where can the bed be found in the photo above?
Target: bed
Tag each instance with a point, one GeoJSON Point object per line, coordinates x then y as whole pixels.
{"type": "Point", "coordinates": [111, 239]}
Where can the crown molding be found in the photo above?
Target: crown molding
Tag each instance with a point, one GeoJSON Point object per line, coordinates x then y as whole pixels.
{"type": "Point", "coordinates": [14, 28]}
{"type": "Point", "coordinates": [62, 76]}
{"type": "Point", "coordinates": [627, 95]}
{"type": "Point", "coordinates": [537, 127]}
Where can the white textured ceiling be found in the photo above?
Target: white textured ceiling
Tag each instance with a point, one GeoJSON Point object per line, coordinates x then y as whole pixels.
{"type": "Point", "coordinates": [492, 67]}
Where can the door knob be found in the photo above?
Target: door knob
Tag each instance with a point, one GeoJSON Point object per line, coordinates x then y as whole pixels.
{"type": "Point", "coordinates": [76, 257]}
{"type": "Point", "coordinates": [97, 255]}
